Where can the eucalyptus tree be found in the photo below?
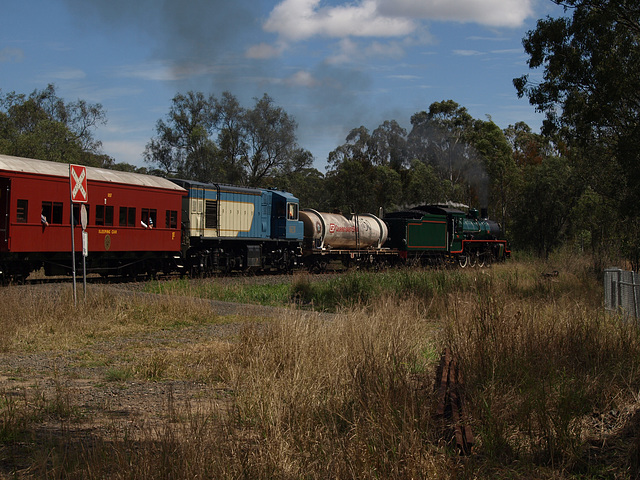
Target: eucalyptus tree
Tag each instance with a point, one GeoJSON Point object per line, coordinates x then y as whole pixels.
{"type": "Point", "coordinates": [590, 94]}
{"type": "Point", "coordinates": [439, 138]}
{"type": "Point", "coordinates": [42, 125]}
{"type": "Point", "coordinates": [590, 90]}
{"type": "Point", "coordinates": [270, 140]}
{"type": "Point", "coordinates": [182, 145]}
{"type": "Point", "coordinates": [218, 140]}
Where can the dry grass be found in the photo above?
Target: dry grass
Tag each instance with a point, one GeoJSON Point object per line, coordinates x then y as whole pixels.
{"type": "Point", "coordinates": [552, 383]}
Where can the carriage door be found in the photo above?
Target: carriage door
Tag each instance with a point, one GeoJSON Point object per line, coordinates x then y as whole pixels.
{"type": "Point", "coordinates": [4, 213]}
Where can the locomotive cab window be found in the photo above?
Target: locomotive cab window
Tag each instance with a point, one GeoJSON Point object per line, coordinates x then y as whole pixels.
{"type": "Point", "coordinates": [52, 212]}
{"type": "Point", "coordinates": [21, 213]}
{"type": "Point", "coordinates": [292, 211]}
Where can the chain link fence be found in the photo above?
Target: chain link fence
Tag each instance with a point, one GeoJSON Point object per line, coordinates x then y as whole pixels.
{"type": "Point", "coordinates": [622, 292]}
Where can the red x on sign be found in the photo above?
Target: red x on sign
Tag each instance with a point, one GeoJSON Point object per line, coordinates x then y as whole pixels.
{"type": "Point", "coordinates": [78, 183]}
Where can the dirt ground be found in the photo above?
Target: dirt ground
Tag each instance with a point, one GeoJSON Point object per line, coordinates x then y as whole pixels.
{"type": "Point", "coordinates": [84, 400]}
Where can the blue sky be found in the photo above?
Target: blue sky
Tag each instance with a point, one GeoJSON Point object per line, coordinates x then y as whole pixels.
{"type": "Point", "coordinates": [332, 65]}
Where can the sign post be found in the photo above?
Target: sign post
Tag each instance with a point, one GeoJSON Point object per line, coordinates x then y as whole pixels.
{"type": "Point", "coordinates": [85, 247]}
{"type": "Point", "coordinates": [79, 194]}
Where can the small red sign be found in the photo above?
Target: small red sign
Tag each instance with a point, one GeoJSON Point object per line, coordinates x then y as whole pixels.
{"type": "Point", "coordinates": [78, 183]}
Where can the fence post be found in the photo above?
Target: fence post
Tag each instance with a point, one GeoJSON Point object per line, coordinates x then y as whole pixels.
{"type": "Point", "coordinates": [618, 289]}
{"type": "Point", "coordinates": [634, 280]}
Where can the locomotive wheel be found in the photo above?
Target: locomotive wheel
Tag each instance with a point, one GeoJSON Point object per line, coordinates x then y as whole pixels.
{"type": "Point", "coordinates": [479, 259]}
{"type": "Point", "coordinates": [463, 260]}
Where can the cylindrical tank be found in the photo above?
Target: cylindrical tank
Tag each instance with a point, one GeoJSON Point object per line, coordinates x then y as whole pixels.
{"type": "Point", "coordinates": [332, 230]}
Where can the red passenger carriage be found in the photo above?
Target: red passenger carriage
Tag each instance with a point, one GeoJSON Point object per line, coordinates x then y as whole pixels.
{"type": "Point", "coordinates": [133, 220]}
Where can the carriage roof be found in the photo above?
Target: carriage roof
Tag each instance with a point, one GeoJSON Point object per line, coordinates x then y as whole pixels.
{"type": "Point", "coordinates": [42, 167]}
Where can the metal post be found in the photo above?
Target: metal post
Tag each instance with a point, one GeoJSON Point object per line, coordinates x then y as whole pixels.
{"type": "Point", "coordinates": [619, 289]}
{"type": "Point", "coordinates": [73, 249]}
{"type": "Point", "coordinates": [84, 268]}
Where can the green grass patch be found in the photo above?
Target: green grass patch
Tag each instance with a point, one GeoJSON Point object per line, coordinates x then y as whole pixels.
{"type": "Point", "coordinates": [362, 288]}
{"type": "Point", "coordinates": [268, 294]}
{"type": "Point", "coordinates": [331, 294]}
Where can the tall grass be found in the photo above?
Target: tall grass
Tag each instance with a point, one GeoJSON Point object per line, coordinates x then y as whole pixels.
{"type": "Point", "coordinates": [44, 318]}
{"type": "Point", "coordinates": [551, 383]}
{"type": "Point", "coordinates": [362, 288]}
{"type": "Point", "coordinates": [543, 366]}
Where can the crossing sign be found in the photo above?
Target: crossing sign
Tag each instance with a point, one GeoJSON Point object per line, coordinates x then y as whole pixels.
{"type": "Point", "coordinates": [78, 183]}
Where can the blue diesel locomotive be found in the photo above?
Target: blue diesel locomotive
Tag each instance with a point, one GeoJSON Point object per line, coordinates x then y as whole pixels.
{"type": "Point", "coordinates": [228, 228]}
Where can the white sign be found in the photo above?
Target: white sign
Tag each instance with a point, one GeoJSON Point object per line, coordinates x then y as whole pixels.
{"type": "Point", "coordinates": [83, 216]}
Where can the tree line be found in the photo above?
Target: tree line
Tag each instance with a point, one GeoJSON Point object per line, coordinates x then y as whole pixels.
{"type": "Point", "coordinates": [576, 182]}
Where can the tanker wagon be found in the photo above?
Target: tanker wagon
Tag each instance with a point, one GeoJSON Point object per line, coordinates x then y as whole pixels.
{"type": "Point", "coordinates": [333, 237]}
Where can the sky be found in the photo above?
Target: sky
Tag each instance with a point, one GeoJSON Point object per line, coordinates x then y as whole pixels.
{"type": "Point", "coordinates": [332, 65]}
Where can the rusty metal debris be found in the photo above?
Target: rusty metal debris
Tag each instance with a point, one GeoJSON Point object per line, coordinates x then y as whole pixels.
{"type": "Point", "coordinates": [449, 383]}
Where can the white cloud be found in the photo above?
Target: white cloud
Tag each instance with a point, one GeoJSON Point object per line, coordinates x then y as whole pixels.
{"type": "Point", "coordinates": [404, 77]}
{"type": "Point", "coordinates": [11, 54]}
{"type": "Point", "coordinates": [69, 74]}
{"type": "Point", "coordinates": [302, 78]}
{"type": "Point", "coordinates": [125, 151]}
{"type": "Point", "coordinates": [350, 51]}
{"type": "Point", "coordinates": [517, 51]}
{"type": "Point", "coordinates": [493, 13]}
{"type": "Point", "coordinates": [378, 49]}
{"type": "Point", "coordinates": [468, 53]}
{"type": "Point", "coordinates": [164, 71]}
{"type": "Point", "coordinates": [297, 20]}
{"type": "Point", "coordinates": [303, 19]}
{"type": "Point", "coordinates": [263, 51]}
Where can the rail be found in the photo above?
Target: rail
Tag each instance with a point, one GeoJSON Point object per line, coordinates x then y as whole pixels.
{"type": "Point", "coordinates": [451, 407]}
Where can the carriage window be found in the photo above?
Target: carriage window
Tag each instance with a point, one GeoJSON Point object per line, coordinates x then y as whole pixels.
{"type": "Point", "coordinates": [56, 214]}
{"type": "Point", "coordinates": [52, 212]}
{"type": "Point", "coordinates": [76, 213]}
{"type": "Point", "coordinates": [108, 215]}
{"type": "Point", "coordinates": [127, 217]}
{"type": "Point", "coordinates": [104, 215]}
{"type": "Point", "coordinates": [21, 214]}
{"type": "Point", "coordinates": [148, 218]}
{"type": "Point", "coordinates": [46, 212]}
{"type": "Point", "coordinates": [171, 219]}
{"type": "Point", "coordinates": [99, 214]}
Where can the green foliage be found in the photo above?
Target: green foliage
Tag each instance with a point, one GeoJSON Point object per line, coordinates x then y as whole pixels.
{"type": "Point", "coordinates": [544, 210]}
{"type": "Point", "coordinates": [43, 126]}
{"type": "Point", "coordinates": [589, 61]}
{"type": "Point", "coordinates": [216, 140]}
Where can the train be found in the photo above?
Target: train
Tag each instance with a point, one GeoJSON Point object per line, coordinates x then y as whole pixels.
{"type": "Point", "coordinates": [145, 225]}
